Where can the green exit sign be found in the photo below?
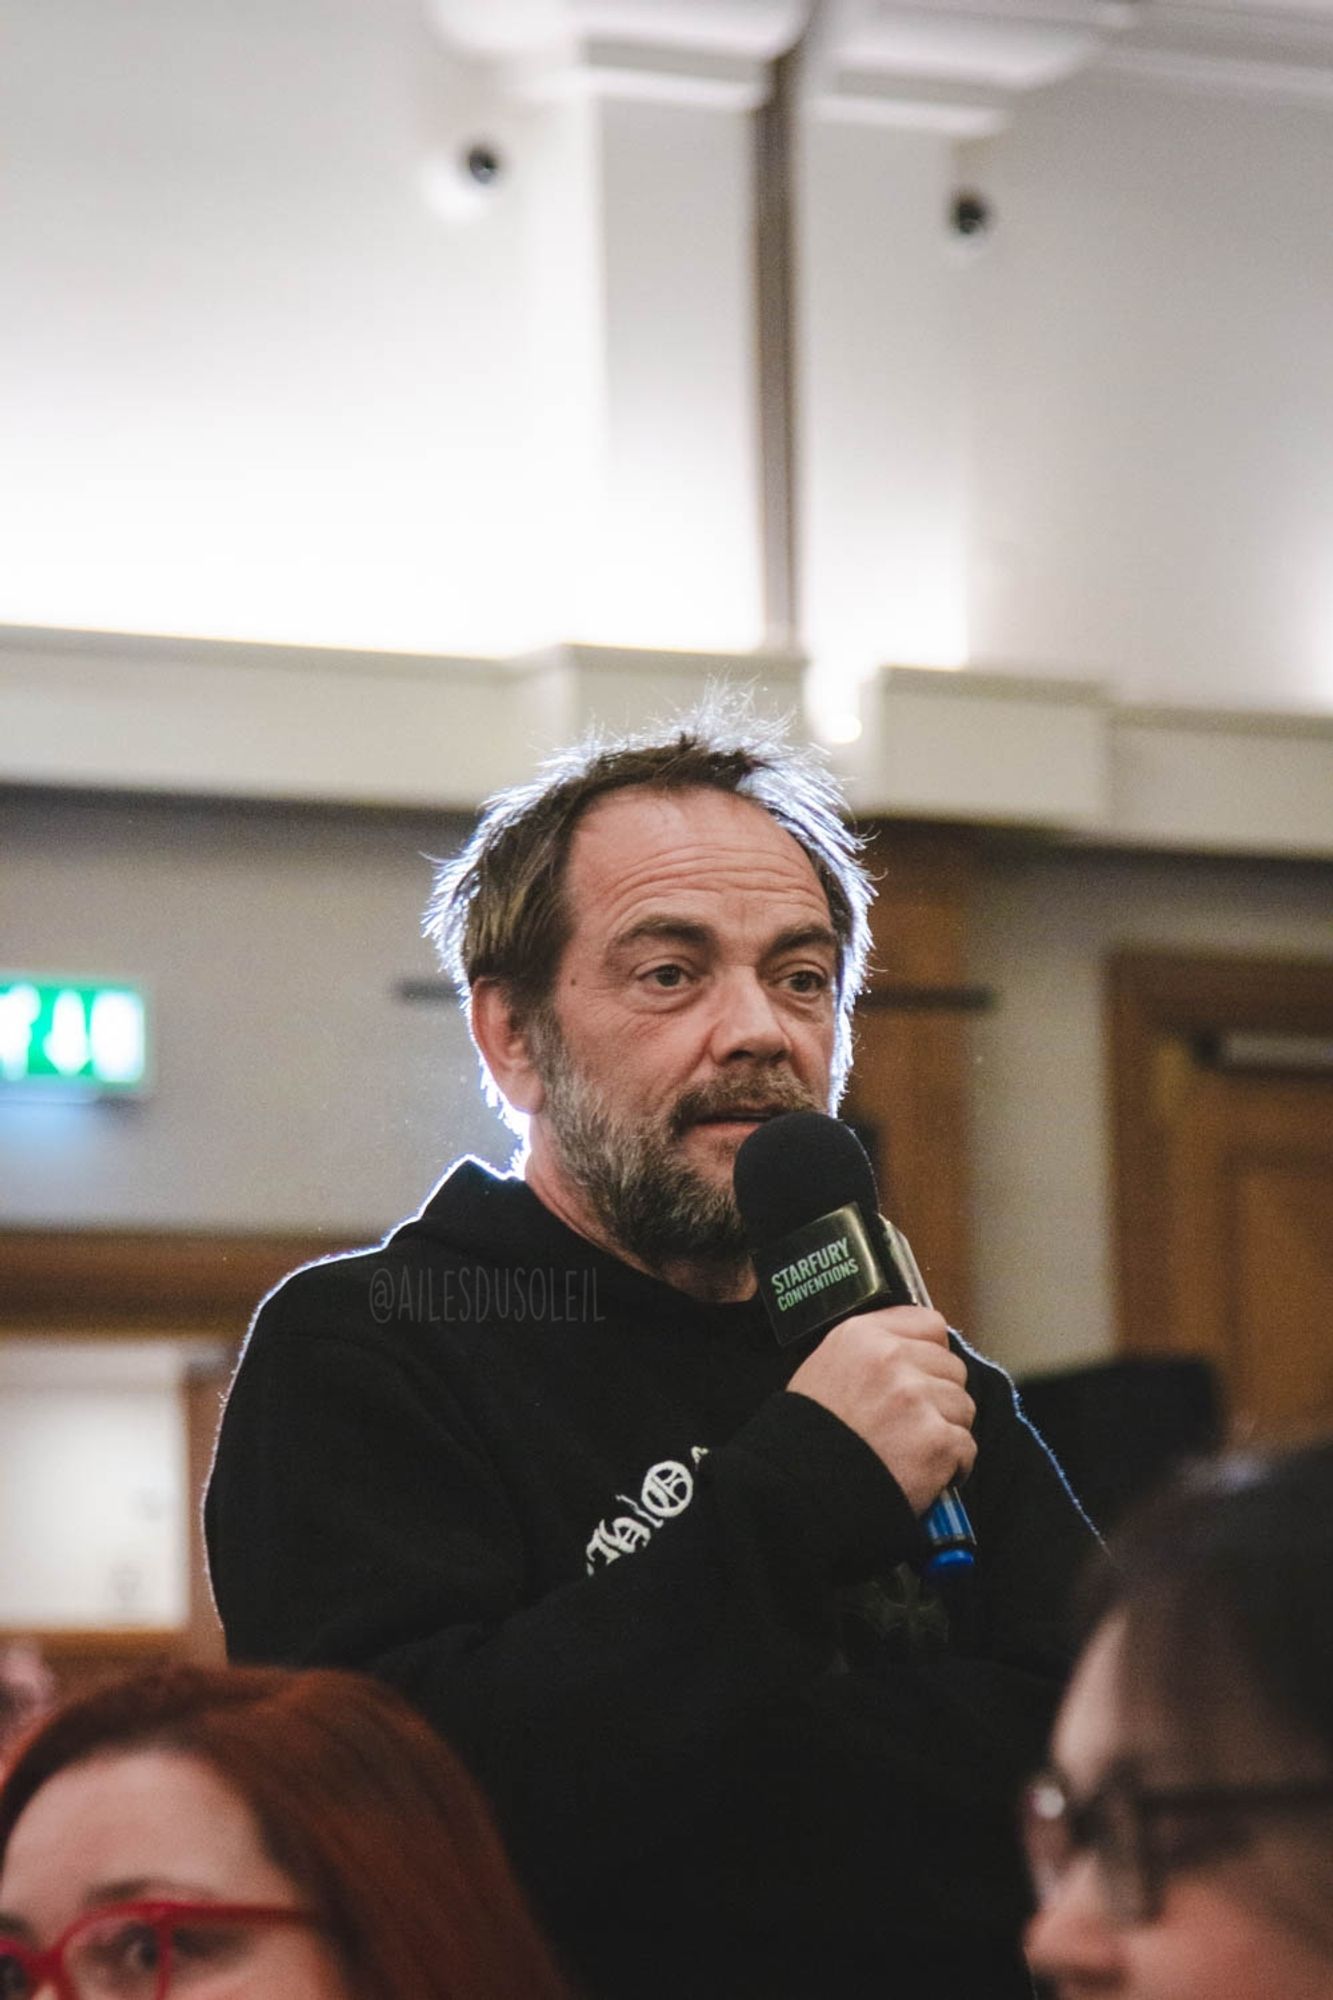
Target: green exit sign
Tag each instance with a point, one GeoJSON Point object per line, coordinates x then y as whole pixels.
{"type": "Point", "coordinates": [71, 1034]}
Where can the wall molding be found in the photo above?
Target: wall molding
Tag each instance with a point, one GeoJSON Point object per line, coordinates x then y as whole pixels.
{"type": "Point", "coordinates": [963, 68]}
{"type": "Point", "coordinates": [1027, 750]}
{"type": "Point", "coordinates": [116, 712]}
{"type": "Point", "coordinates": [712, 53]}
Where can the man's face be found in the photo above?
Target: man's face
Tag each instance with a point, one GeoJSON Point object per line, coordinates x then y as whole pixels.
{"type": "Point", "coordinates": [695, 997]}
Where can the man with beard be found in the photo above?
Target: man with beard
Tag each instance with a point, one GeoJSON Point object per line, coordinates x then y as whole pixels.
{"type": "Point", "coordinates": [539, 1461]}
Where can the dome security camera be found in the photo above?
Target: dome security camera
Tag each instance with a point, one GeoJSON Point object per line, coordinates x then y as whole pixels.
{"type": "Point", "coordinates": [462, 181]}
{"type": "Point", "coordinates": [483, 163]}
{"type": "Point", "coordinates": [970, 214]}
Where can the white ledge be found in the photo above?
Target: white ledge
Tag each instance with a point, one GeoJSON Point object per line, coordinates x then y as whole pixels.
{"type": "Point", "coordinates": [500, 30]}
{"type": "Point", "coordinates": [955, 70]}
{"type": "Point", "coordinates": [1023, 750]}
{"type": "Point", "coordinates": [117, 712]}
{"type": "Point", "coordinates": [106, 711]}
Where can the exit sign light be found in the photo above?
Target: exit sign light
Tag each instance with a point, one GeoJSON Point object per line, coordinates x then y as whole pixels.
{"type": "Point", "coordinates": [63, 1036]}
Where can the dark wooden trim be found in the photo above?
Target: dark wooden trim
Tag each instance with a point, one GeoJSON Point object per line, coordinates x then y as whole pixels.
{"type": "Point", "coordinates": [1153, 997]}
{"type": "Point", "coordinates": [100, 1282]}
{"type": "Point", "coordinates": [89, 1643]}
{"type": "Point", "coordinates": [1192, 993]}
{"type": "Point", "coordinates": [775, 373]}
{"type": "Point", "coordinates": [927, 999]}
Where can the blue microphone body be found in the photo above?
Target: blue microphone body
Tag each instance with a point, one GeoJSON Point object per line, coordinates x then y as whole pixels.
{"type": "Point", "coordinates": [822, 1252]}
{"type": "Point", "coordinates": [953, 1545]}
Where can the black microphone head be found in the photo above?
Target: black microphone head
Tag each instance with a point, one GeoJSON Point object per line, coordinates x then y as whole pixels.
{"type": "Point", "coordinates": [797, 1167]}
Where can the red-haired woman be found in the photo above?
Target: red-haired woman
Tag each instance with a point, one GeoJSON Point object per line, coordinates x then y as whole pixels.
{"type": "Point", "coordinates": [255, 1835]}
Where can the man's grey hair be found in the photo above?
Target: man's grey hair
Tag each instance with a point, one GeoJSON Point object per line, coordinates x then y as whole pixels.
{"type": "Point", "coordinates": [499, 909]}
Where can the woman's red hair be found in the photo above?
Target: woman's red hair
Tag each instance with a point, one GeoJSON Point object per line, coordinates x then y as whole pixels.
{"type": "Point", "coordinates": [368, 1811]}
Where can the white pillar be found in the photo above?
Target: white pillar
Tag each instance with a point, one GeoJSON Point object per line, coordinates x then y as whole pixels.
{"type": "Point", "coordinates": [641, 209]}
{"type": "Point", "coordinates": [885, 362]}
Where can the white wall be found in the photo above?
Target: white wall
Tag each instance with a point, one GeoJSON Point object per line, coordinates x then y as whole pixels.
{"type": "Point", "coordinates": [253, 383]}
{"type": "Point", "coordinates": [882, 397]}
{"type": "Point", "coordinates": [677, 556]}
{"type": "Point", "coordinates": [250, 383]}
{"type": "Point", "coordinates": [1043, 925]}
{"type": "Point", "coordinates": [257, 380]}
{"type": "Point", "coordinates": [1152, 485]}
{"type": "Point", "coordinates": [93, 1516]}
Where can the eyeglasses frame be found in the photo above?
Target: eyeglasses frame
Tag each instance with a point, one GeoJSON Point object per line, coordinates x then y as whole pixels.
{"type": "Point", "coordinates": [1080, 1820]}
{"type": "Point", "coordinates": [161, 1914]}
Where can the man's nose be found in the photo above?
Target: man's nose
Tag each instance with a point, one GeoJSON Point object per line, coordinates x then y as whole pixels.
{"type": "Point", "coordinates": [747, 1021]}
{"type": "Point", "coordinates": [1072, 1937]}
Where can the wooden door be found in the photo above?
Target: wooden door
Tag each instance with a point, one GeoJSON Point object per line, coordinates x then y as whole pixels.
{"type": "Point", "coordinates": [1225, 1178]}
{"type": "Point", "coordinates": [1251, 1183]}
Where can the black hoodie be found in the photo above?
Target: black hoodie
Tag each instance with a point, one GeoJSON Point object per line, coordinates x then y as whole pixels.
{"type": "Point", "coordinates": [663, 1608]}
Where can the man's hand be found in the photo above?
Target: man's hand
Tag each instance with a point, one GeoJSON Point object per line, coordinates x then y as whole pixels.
{"type": "Point", "coordinates": [893, 1378]}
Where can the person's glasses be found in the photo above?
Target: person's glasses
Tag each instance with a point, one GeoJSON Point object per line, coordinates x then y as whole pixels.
{"type": "Point", "coordinates": [139, 1951]}
{"type": "Point", "coordinates": [1139, 1833]}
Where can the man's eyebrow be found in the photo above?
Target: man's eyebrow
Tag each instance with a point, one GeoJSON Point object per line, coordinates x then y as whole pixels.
{"type": "Point", "coordinates": [800, 937]}
{"type": "Point", "coordinates": [702, 937]}
{"type": "Point", "coordinates": [15, 1927]}
{"type": "Point", "coordinates": [669, 930]}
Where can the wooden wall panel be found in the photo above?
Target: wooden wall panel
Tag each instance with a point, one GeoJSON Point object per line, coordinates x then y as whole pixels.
{"type": "Point", "coordinates": [911, 1083]}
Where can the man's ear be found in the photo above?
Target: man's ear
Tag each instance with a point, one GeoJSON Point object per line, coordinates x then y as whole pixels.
{"type": "Point", "coordinates": [503, 1042]}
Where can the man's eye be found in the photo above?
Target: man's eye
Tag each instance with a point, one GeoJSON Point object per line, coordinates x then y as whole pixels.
{"type": "Point", "coordinates": [808, 979]}
{"type": "Point", "coordinates": [667, 977]}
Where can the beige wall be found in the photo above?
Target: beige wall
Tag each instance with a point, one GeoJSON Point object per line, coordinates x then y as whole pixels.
{"type": "Point", "coordinates": [295, 1091]}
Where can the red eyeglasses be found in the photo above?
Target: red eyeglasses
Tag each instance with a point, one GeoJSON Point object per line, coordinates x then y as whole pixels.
{"type": "Point", "coordinates": [139, 1951]}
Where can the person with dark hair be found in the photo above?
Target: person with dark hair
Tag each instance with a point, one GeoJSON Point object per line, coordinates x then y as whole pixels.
{"type": "Point", "coordinates": [1182, 1843]}
{"type": "Point", "coordinates": [539, 1461]}
{"type": "Point", "coordinates": [259, 1835]}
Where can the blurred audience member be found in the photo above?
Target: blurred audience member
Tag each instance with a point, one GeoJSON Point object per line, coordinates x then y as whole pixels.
{"type": "Point", "coordinates": [258, 1834]}
{"type": "Point", "coordinates": [1182, 1845]}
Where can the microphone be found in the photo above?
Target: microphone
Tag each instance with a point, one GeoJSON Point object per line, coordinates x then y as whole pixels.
{"type": "Point", "coordinates": [823, 1252]}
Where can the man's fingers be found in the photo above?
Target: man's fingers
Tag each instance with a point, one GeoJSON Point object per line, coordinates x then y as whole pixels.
{"type": "Point", "coordinates": [910, 1323]}
{"type": "Point", "coordinates": [927, 1331]}
{"type": "Point", "coordinates": [940, 1362]}
{"type": "Point", "coordinates": [892, 1377]}
{"type": "Point", "coordinates": [955, 1405]}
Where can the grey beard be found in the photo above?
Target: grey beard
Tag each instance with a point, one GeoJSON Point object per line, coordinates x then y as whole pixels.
{"type": "Point", "coordinates": [648, 1199]}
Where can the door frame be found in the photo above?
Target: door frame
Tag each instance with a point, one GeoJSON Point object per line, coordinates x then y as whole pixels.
{"type": "Point", "coordinates": [1153, 997]}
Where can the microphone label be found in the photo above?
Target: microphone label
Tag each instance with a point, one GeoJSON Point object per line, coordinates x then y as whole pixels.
{"type": "Point", "coordinates": [818, 1274]}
